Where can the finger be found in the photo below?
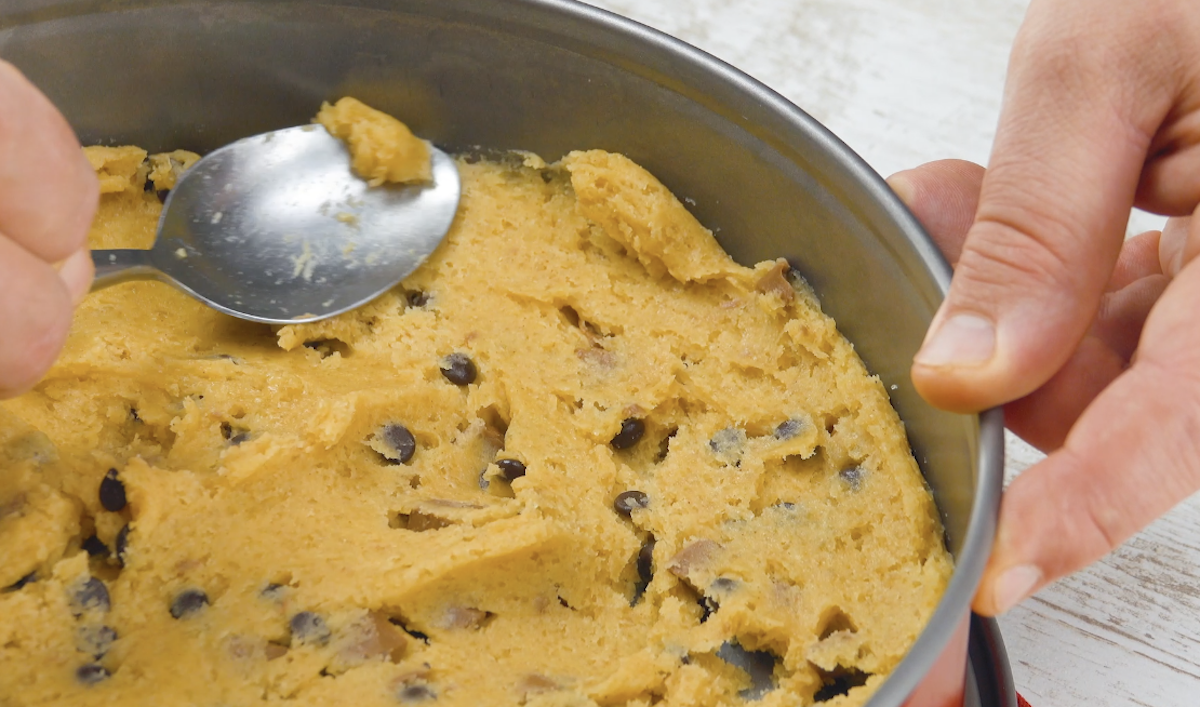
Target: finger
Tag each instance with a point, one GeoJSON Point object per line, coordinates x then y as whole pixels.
{"type": "Point", "coordinates": [48, 191]}
{"type": "Point", "coordinates": [35, 314]}
{"type": "Point", "coordinates": [1131, 457]}
{"type": "Point", "coordinates": [1045, 417]}
{"type": "Point", "coordinates": [1180, 244]}
{"type": "Point", "coordinates": [1170, 182]}
{"type": "Point", "coordinates": [1138, 259]}
{"type": "Point", "coordinates": [77, 273]}
{"type": "Point", "coordinates": [943, 195]}
{"type": "Point", "coordinates": [1077, 121]}
{"type": "Point", "coordinates": [1123, 314]}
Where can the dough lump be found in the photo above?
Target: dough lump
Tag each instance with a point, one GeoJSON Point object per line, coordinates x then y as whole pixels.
{"type": "Point", "coordinates": [382, 149]}
{"type": "Point", "coordinates": [580, 457]}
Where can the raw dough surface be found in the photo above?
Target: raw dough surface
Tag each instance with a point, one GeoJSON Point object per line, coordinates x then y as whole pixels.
{"type": "Point", "coordinates": [382, 149]}
{"type": "Point", "coordinates": [580, 457]}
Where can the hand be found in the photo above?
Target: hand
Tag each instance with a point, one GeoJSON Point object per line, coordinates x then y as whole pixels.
{"type": "Point", "coordinates": [48, 196]}
{"type": "Point", "coordinates": [1092, 344]}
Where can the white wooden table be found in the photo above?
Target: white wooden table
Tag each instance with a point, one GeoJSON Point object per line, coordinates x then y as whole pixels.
{"type": "Point", "coordinates": [908, 81]}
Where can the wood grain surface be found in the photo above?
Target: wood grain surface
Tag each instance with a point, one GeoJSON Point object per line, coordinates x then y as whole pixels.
{"type": "Point", "coordinates": [908, 81]}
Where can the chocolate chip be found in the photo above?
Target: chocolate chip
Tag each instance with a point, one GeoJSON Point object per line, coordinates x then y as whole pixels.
{"type": "Point", "coordinates": [723, 585]}
{"type": "Point", "coordinates": [307, 627]}
{"type": "Point", "coordinates": [632, 430]}
{"type": "Point", "coordinates": [395, 621]}
{"type": "Point", "coordinates": [720, 588]}
{"type": "Point", "coordinates": [728, 444]}
{"type": "Point", "coordinates": [122, 544]}
{"type": "Point", "coordinates": [788, 429]}
{"type": "Point", "coordinates": [92, 673]}
{"type": "Point", "coordinates": [94, 547]}
{"type": "Point", "coordinates": [512, 469]}
{"type": "Point", "coordinates": [416, 692]}
{"type": "Point", "coordinates": [730, 438]}
{"type": "Point", "coordinates": [401, 442]}
{"type": "Point", "coordinates": [853, 477]}
{"type": "Point", "coordinates": [96, 640]}
{"type": "Point", "coordinates": [459, 369]}
{"type": "Point", "coordinates": [645, 568]}
{"type": "Point", "coordinates": [645, 560]}
{"type": "Point", "coordinates": [188, 602]}
{"type": "Point", "coordinates": [629, 501]}
{"type": "Point", "coordinates": [234, 435]}
{"type": "Point", "coordinates": [90, 595]}
{"type": "Point", "coordinates": [112, 492]}
{"type": "Point", "coordinates": [794, 277]}
{"type": "Point", "coordinates": [759, 666]}
{"type": "Point", "coordinates": [27, 579]}
{"type": "Point", "coordinates": [418, 298]}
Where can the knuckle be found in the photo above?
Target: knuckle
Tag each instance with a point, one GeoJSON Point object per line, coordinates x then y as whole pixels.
{"type": "Point", "coordinates": [36, 345]}
{"type": "Point", "coordinates": [1057, 45]}
{"type": "Point", "coordinates": [1106, 524]}
{"type": "Point", "coordinates": [1128, 58]}
{"type": "Point", "coordinates": [1016, 251]}
{"type": "Point", "coordinates": [45, 339]}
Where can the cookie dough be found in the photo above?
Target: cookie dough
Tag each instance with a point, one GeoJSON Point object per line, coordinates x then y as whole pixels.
{"type": "Point", "coordinates": [382, 149]}
{"type": "Point", "coordinates": [580, 457]}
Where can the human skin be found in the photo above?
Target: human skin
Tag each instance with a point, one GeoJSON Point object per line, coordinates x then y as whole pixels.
{"type": "Point", "coordinates": [48, 195]}
{"type": "Point", "coordinates": [1090, 342]}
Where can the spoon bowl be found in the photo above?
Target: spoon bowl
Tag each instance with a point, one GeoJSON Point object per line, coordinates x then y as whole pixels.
{"type": "Point", "coordinates": [277, 228]}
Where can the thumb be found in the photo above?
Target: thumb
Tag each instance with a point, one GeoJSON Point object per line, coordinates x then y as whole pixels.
{"type": "Point", "coordinates": [1050, 221]}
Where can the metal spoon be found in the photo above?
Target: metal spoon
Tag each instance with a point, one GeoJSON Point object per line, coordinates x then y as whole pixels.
{"type": "Point", "coordinates": [277, 228]}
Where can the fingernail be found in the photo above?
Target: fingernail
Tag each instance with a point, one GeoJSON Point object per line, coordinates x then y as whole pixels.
{"type": "Point", "coordinates": [76, 273]}
{"type": "Point", "coordinates": [1014, 585]}
{"type": "Point", "coordinates": [1171, 245]}
{"type": "Point", "coordinates": [961, 340]}
{"type": "Point", "coordinates": [903, 188]}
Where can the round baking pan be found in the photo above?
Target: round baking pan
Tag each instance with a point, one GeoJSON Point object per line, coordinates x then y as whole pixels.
{"type": "Point", "coordinates": [989, 678]}
{"type": "Point", "coordinates": [552, 76]}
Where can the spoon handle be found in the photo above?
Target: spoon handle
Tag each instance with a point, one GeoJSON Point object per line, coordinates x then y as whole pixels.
{"type": "Point", "coordinates": [116, 266]}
